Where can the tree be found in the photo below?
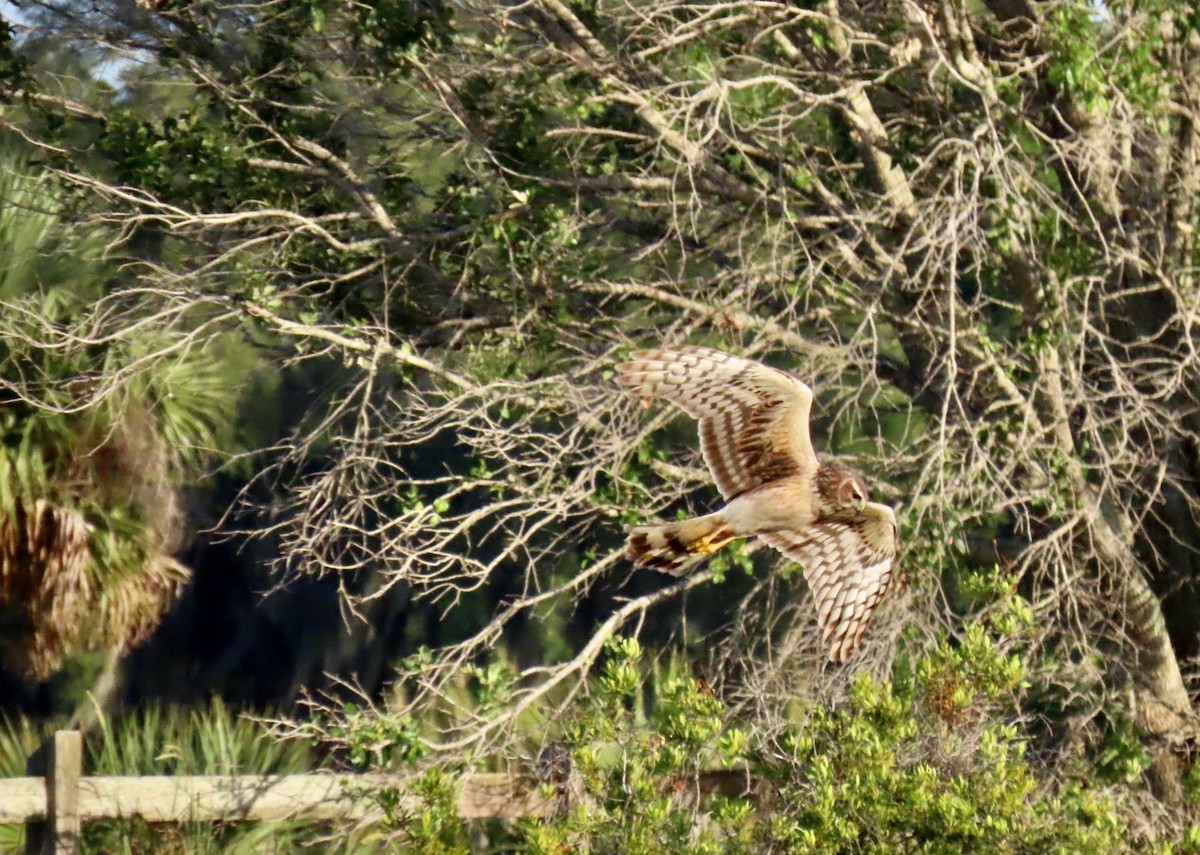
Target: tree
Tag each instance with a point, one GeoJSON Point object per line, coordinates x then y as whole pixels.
{"type": "Point", "coordinates": [971, 228]}
{"type": "Point", "coordinates": [94, 444]}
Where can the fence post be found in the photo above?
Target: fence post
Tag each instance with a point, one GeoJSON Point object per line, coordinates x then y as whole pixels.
{"type": "Point", "coordinates": [60, 761]}
{"type": "Point", "coordinates": [63, 792]}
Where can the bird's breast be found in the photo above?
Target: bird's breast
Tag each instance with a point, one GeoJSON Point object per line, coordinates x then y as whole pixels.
{"type": "Point", "coordinates": [784, 504]}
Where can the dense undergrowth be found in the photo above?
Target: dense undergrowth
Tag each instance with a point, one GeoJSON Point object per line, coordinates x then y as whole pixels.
{"type": "Point", "coordinates": [933, 760]}
{"type": "Point", "coordinates": [936, 759]}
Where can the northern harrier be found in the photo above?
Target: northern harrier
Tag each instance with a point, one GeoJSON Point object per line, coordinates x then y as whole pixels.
{"type": "Point", "coordinates": [755, 437]}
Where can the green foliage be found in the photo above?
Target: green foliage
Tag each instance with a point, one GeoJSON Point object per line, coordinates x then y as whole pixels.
{"type": "Point", "coordinates": [188, 393]}
{"type": "Point", "coordinates": [38, 252]}
{"type": "Point", "coordinates": [164, 406]}
{"type": "Point", "coordinates": [436, 828]}
{"type": "Point", "coordinates": [1078, 33]}
{"type": "Point", "coordinates": [393, 28]}
{"type": "Point", "coordinates": [921, 763]}
{"type": "Point", "coordinates": [1122, 756]}
{"type": "Point", "coordinates": [370, 739]}
{"type": "Point", "coordinates": [929, 761]}
{"type": "Point", "coordinates": [19, 738]}
{"type": "Point", "coordinates": [211, 741]}
{"type": "Point", "coordinates": [493, 685]}
{"type": "Point", "coordinates": [926, 758]}
{"type": "Point", "coordinates": [184, 154]}
{"type": "Point", "coordinates": [732, 557]}
{"type": "Point", "coordinates": [13, 66]}
{"type": "Point", "coordinates": [1072, 29]}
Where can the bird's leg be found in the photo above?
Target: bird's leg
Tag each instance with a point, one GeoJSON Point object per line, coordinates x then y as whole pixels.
{"type": "Point", "coordinates": [711, 542]}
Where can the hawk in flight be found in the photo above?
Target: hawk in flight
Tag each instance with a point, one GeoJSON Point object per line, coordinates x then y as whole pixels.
{"type": "Point", "coordinates": [755, 438]}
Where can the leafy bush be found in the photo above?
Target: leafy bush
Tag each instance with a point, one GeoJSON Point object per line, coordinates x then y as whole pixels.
{"type": "Point", "coordinates": [932, 760]}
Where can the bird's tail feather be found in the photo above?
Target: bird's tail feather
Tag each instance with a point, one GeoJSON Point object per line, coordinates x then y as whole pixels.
{"type": "Point", "coordinates": [678, 547]}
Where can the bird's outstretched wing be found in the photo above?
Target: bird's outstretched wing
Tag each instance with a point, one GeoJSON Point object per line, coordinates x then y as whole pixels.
{"type": "Point", "coordinates": [847, 560]}
{"type": "Point", "coordinates": [753, 418]}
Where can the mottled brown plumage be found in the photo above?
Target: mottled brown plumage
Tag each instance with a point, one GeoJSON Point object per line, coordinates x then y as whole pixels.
{"type": "Point", "coordinates": [754, 435]}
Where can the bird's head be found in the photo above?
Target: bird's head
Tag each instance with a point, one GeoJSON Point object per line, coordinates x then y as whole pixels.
{"type": "Point", "coordinates": [841, 489]}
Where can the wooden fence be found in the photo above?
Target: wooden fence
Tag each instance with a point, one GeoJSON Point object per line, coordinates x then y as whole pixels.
{"type": "Point", "coordinates": [54, 803]}
{"type": "Point", "coordinates": [53, 806]}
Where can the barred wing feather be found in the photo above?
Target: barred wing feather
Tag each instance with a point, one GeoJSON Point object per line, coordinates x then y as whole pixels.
{"type": "Point", "coordinates": [847, 560]}
{"type": "Point", "coordinates": [753, 418]}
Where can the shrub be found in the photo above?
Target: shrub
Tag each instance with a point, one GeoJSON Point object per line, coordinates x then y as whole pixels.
{"type": "Point", "coordinates": [932, 760]}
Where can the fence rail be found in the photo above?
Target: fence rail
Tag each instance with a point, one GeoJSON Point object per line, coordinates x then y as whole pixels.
{"type": "Point", "coordinates": [262, 798]}
{"type": "Point", "coordinates": [54, 806]}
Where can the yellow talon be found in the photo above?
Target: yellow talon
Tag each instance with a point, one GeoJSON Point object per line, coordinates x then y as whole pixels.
{"type": "Point", "coordinates": [709, 544]}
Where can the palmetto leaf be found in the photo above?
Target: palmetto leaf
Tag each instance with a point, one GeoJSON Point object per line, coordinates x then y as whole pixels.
{"type": "Point", "coordinates": [96, 434]}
